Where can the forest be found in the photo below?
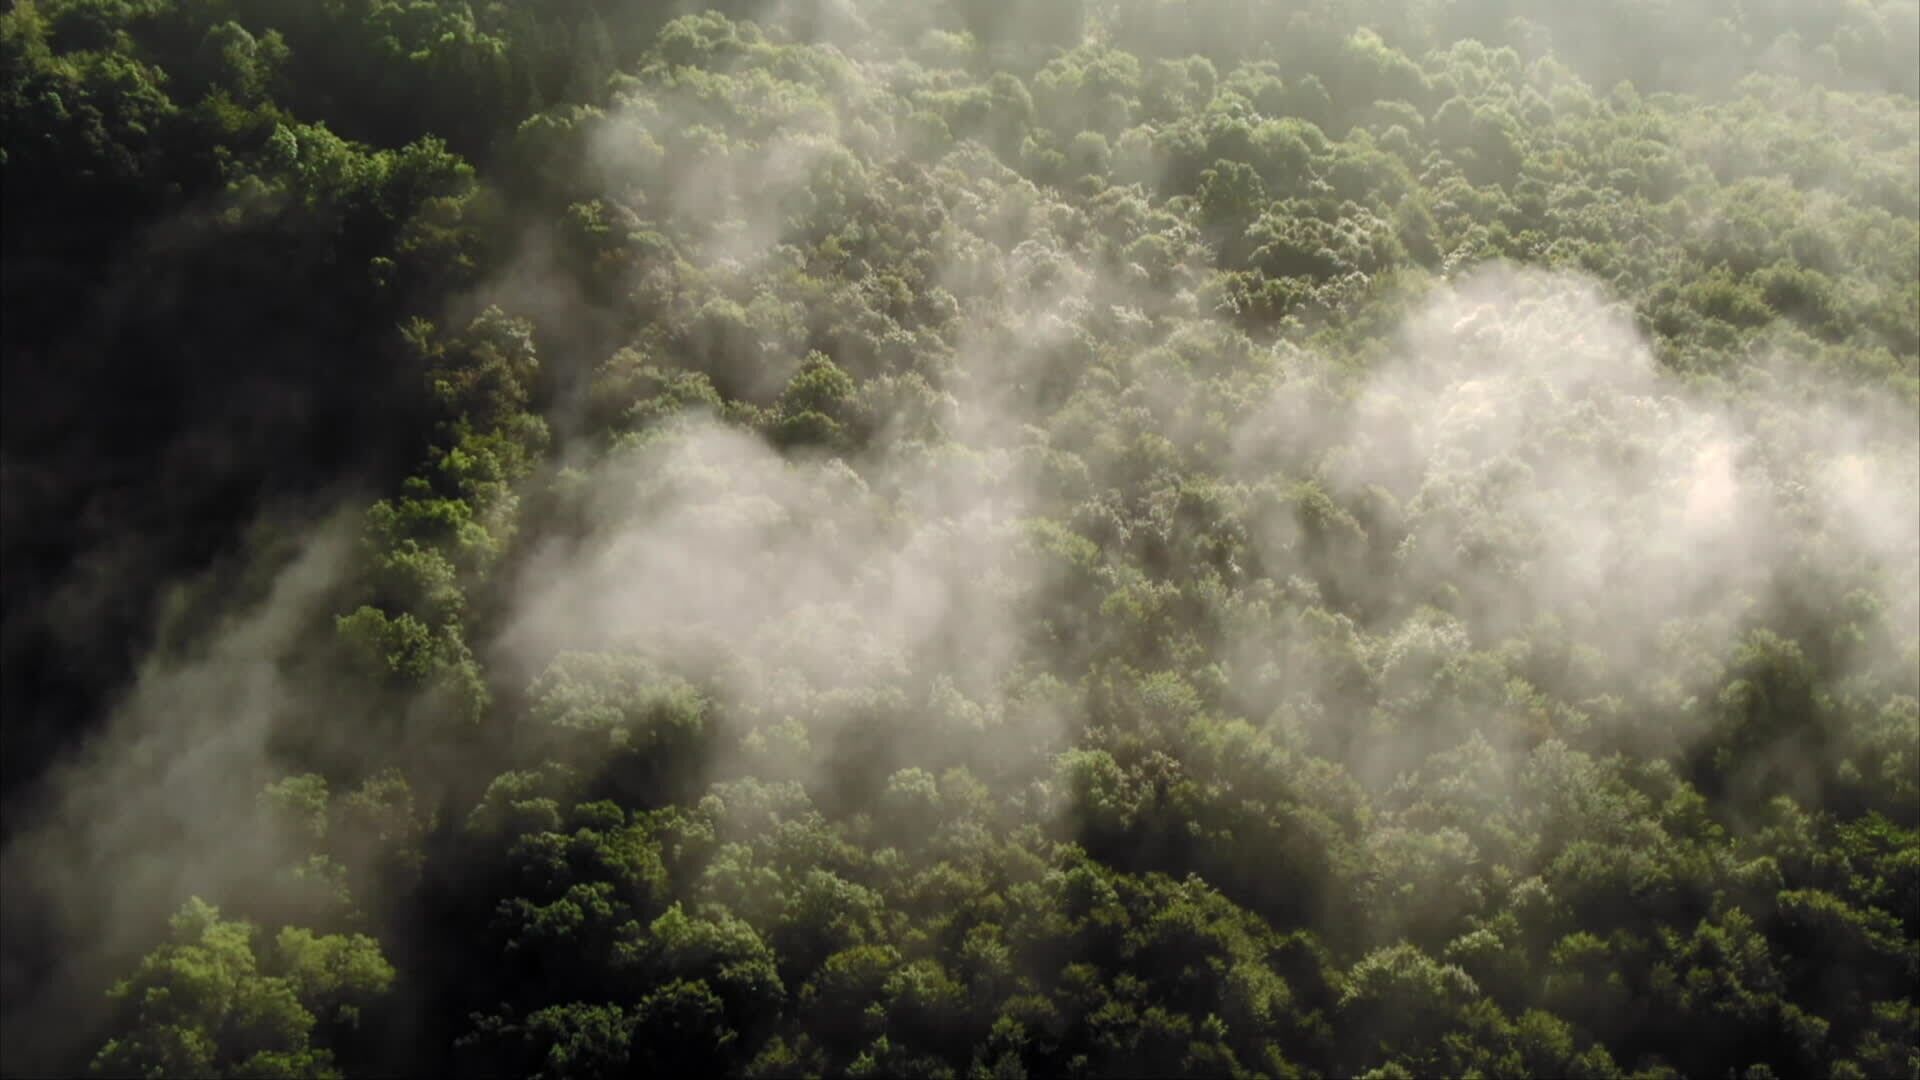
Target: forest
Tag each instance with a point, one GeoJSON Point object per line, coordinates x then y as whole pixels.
{"type": "Point", "coordinates": [960, 539]}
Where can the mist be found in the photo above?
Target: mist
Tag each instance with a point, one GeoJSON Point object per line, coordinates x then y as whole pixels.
{"type": "Point", "coordinates": [163, 802]}
{"type": "Point", "coordinates": [1145, 537]}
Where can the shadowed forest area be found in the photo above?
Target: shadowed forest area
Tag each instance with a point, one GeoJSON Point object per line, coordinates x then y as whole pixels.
{"type": "Point", "coordinates": [1244, 538]}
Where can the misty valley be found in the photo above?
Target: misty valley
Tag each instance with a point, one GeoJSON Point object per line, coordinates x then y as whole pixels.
{"type": "Point", "coordinates": [969, 540]}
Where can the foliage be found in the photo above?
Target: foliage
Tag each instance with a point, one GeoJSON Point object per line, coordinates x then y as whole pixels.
{"type": "Point", "coordinates": [1140, 538]}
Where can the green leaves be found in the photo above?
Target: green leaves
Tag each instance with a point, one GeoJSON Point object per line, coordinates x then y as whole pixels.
{"type": "Point", "coordinates": [1399, 1003]}
{"type": "Point", "coordinates": [1357, 702]}
{"type": "Point", "coordinates": [624, 701]}
{"type": "Point", "coordinates": [205, 1005]}
{"type": "Point", "coordinates": [339, 977]}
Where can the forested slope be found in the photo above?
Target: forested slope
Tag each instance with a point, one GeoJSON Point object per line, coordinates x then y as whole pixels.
{"type": "Point", "coordinates": [1099, 537]}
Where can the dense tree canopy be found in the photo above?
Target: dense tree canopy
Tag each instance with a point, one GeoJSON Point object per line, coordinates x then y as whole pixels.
{"type": "Point", "coordinates": [1093, 538]}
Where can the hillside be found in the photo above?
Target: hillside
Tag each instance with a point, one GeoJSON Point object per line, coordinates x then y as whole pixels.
{"type": "Point", "coordinates": [1243, 538]}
